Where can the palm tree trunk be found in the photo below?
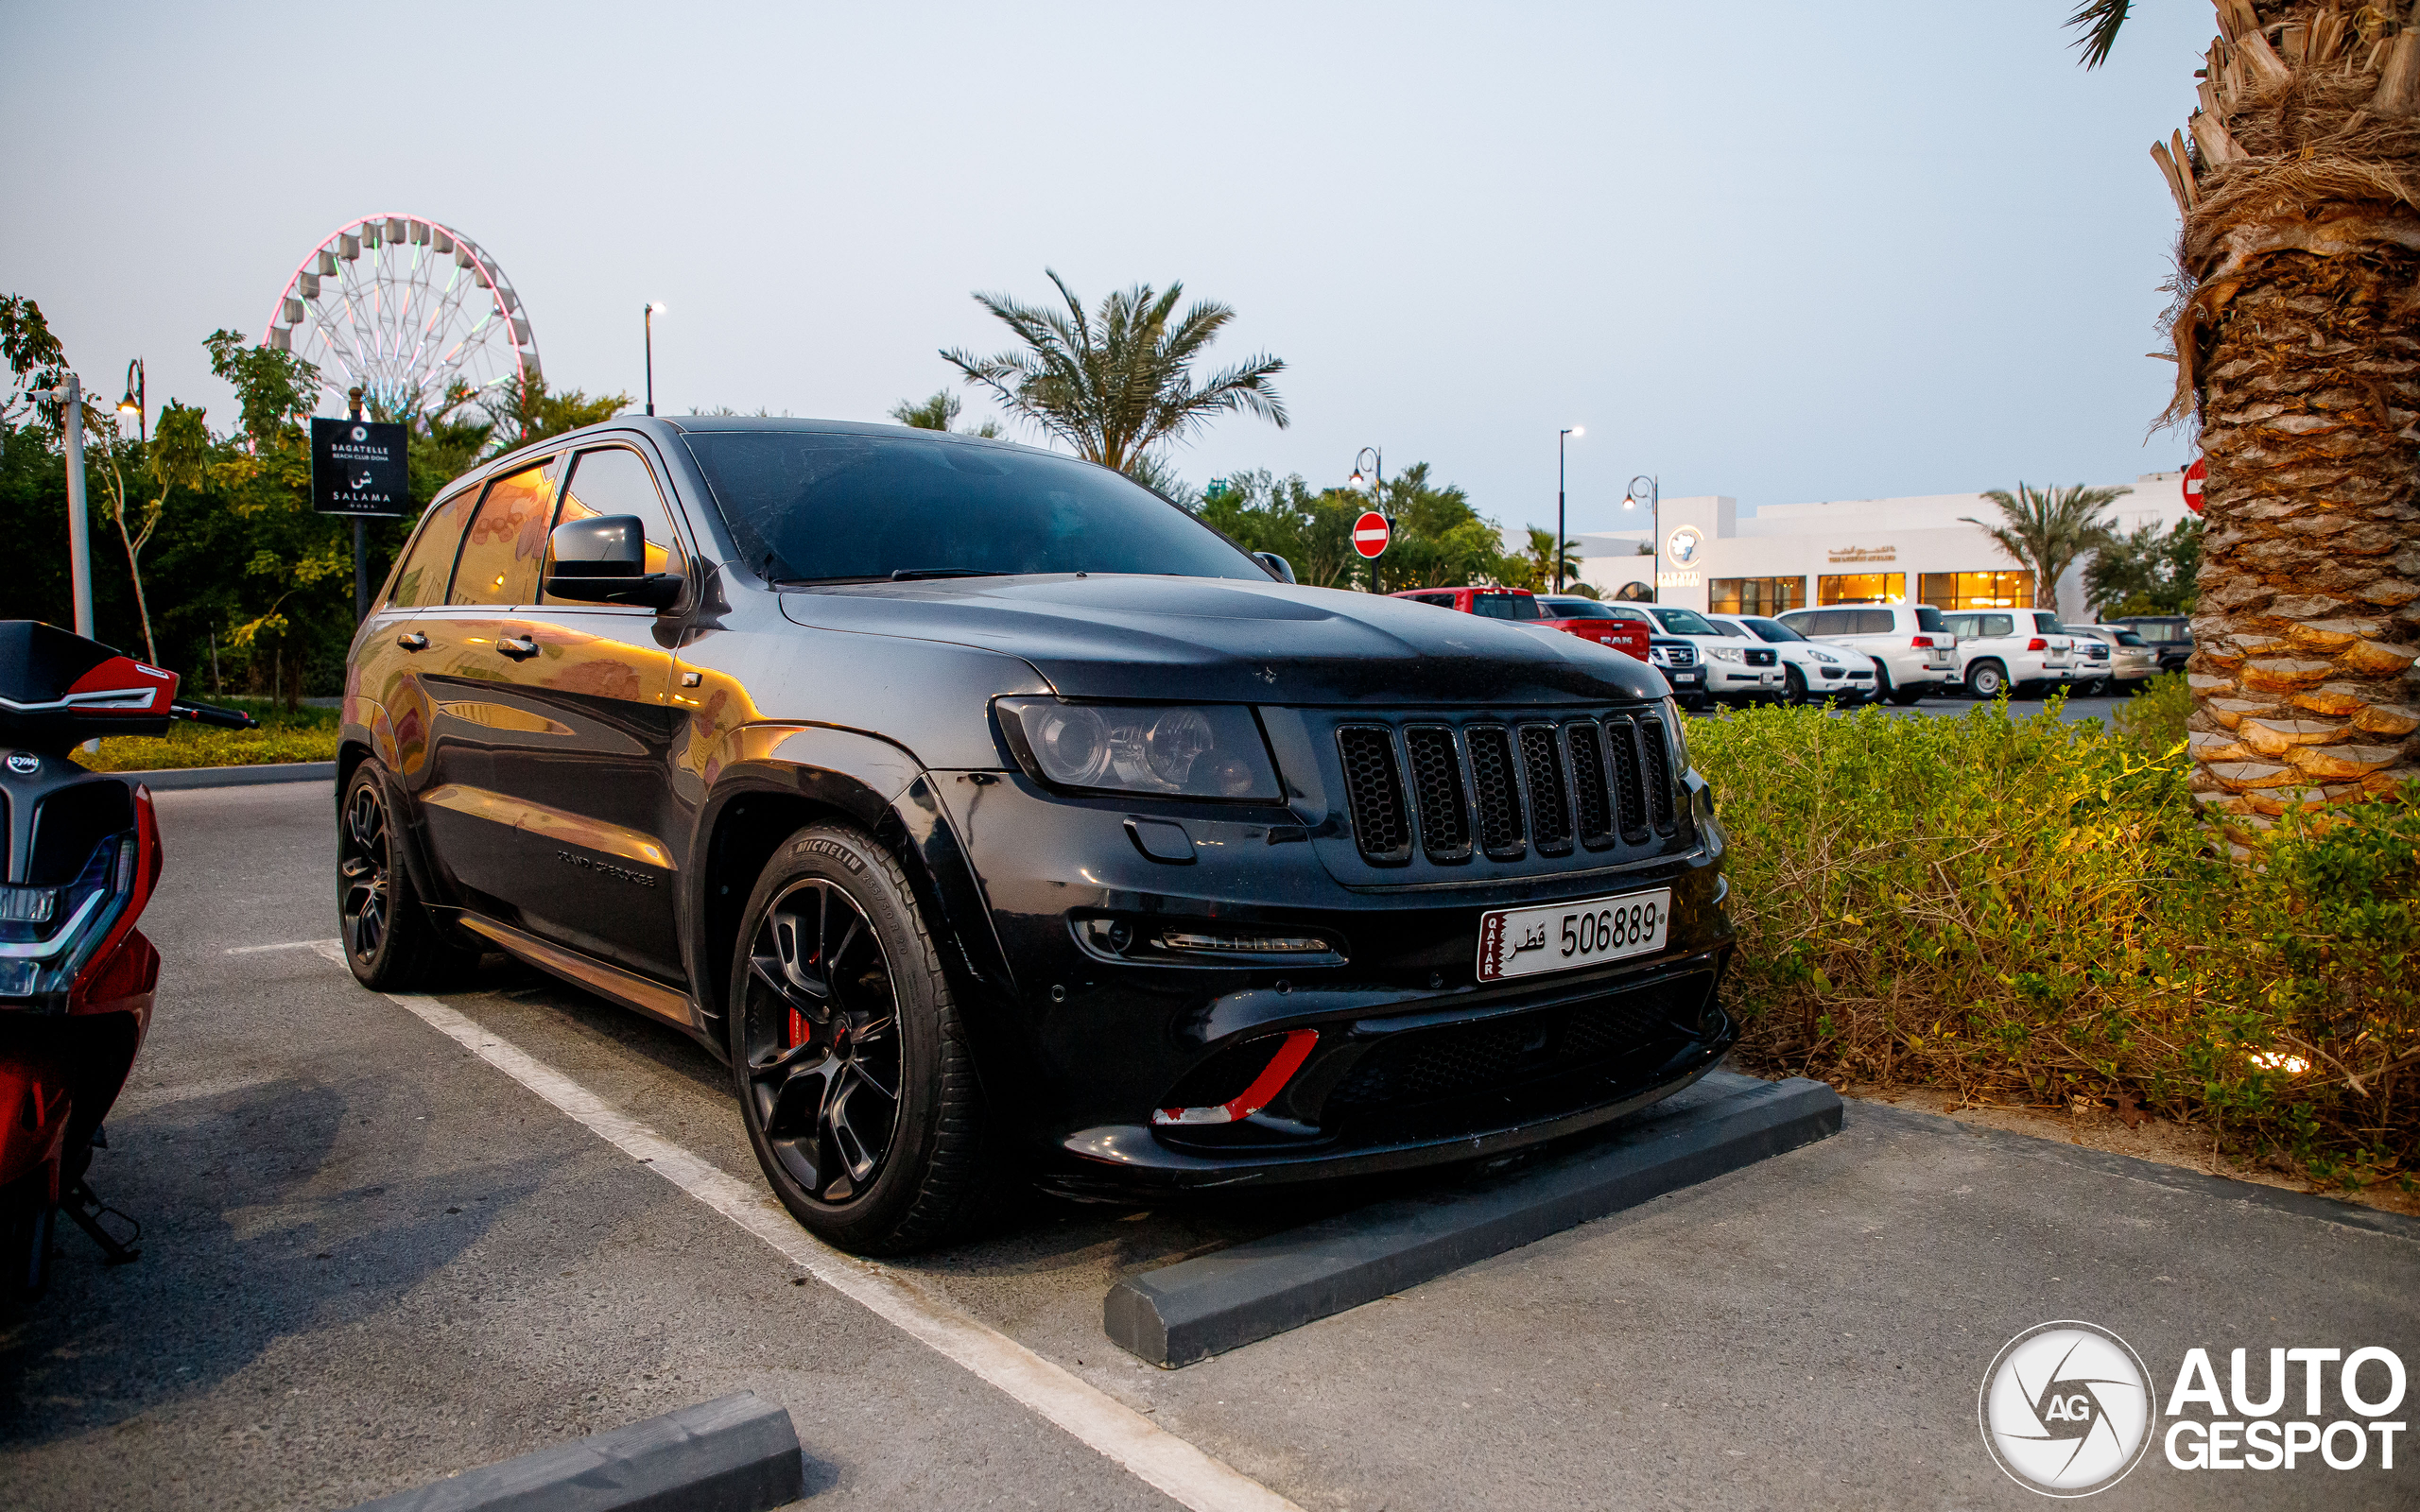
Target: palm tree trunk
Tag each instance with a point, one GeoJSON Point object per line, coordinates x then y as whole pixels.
{"type": "Point", "coordinates": [2298, 347]}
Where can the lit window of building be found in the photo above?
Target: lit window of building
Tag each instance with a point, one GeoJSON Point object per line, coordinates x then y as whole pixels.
{"type": "Point", "coordinates": [1862, 588]}
{"type": "Point", "coordinates": [1756, 595]}
{"type": "Point", "coordinates": [1979, 590]}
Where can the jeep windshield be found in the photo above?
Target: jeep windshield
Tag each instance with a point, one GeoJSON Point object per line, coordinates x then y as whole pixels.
{"type": "Point", "coordinates": [837, 507]}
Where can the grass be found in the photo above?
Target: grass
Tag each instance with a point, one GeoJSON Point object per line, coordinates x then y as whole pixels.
{"type": "Point", "coordinates": [303, 735]}
{"type": "Point", "coordinates": [2030, 910]}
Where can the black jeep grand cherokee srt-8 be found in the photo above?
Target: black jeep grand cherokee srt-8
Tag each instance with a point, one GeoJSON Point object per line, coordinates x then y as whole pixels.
{"type": "Point", "coordinates": [988, 813]}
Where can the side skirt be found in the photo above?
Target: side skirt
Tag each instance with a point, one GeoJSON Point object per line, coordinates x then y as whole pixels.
{"type": "Point", "coordinates": [626, 987]}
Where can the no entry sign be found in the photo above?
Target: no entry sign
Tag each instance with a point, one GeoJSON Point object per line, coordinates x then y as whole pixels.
{"type": "Point", "coordinates": [2195, 476]}
{"type": "Point", "coordinates": [1370, 533]}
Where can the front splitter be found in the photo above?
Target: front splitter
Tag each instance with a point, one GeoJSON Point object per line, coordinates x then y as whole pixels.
{"type": "Point", "coordinates": [1197, 1308]}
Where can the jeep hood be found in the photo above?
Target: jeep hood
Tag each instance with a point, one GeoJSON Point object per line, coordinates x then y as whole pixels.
{"type": "Point", "coordinates": [1229, 641]}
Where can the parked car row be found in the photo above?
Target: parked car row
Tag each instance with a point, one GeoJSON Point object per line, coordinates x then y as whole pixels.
{"type": "Point", "coordinates": [1848, 654]}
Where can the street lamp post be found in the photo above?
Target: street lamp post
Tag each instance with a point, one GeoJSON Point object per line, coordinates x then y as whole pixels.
{"type": "Point", "coordinates": [1561, 436]}
{"type": "Point", "coordinates": [1653, 488]}
{"type": "Point", "coordinates": [1376, 477]}
{"type": "Point", "coordinates": [654, 308]}
{"type": "Point", "coordinates": [135, 402]}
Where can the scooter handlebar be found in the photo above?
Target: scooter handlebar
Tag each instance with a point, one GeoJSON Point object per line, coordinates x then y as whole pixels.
{"type": "Point", "coordinates": [210, 714]}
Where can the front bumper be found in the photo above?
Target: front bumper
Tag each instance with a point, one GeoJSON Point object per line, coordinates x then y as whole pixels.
{"type": "Point", "coordinates": [1417, 1061]}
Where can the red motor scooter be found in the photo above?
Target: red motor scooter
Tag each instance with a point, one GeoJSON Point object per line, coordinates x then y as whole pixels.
{"type": "Point", "coordinates": [75, 976]}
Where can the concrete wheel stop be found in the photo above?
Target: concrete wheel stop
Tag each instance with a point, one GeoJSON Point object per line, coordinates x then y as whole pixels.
{"type": "Point", "coordinates": [736, 1453]}
{"type": "Point", "coordinates": [1197, 1308]}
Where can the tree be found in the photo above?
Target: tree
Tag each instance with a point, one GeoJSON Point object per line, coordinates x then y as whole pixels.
{"type": "Point", "coordinates": [275, 390]}
{"type": "Point", "coordinates": [938, 413]}
{"type": "Point", "coordinates": [2147, 571]}
{"type": "Point", "coordinates": [2297, 358]}
{"type": "Point", "coordinates": [1537, 561]}
{"type": "Point", "coordinates": [1438, 539]}
{"type": "Point", "coordinates": [526, 410]}
{"type": "Point", "coordinates": [2047, 529]}
{"type": "Point", "coordinates": [1312, 531]}
{"type": "Point", "coordinates": [1115, 384]}
{"type": "Point", "coordinates": [36, 360]}
{"type": "Point", "coordinates": [176, 458]}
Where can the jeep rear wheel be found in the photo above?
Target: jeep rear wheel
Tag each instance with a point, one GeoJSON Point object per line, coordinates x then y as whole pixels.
{"type": "Point", "coordinates": [1986, 680]}
{"type": "Point", "coordinates": [855, 1077]}
{"type": "Point", "coordinates": [390, 940]}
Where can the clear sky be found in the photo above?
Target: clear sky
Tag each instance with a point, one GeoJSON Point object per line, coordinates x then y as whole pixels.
{"type": "Point", "coordinates": [1771, 249]}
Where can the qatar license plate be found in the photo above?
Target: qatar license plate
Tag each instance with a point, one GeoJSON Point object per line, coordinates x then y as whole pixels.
{"type": "Point", "coordinates": [1562, 936]}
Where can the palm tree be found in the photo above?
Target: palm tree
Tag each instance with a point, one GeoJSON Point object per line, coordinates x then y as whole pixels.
{"type": "Point", "coordinates": [2047, 529]}
{"type": "Point", "coordinates": [938, 413]}
{"type": "Point", "coordinates": [1115, 384]}
{"type": "Point", "coordinates": [2293, 339]}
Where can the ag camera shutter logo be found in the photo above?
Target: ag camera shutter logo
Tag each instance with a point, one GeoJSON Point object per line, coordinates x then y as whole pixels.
{"type": "Point", "coordinates": [2067, 1409]}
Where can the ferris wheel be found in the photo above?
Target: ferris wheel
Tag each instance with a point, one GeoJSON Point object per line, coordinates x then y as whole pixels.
{"type": "Point", "coordinates": [401, 306]}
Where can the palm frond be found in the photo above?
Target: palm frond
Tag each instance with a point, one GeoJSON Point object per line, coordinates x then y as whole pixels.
{"type": "Point", "coordinates": [1116, 382]}
{"type": "Point", "coordinates": [2098, 21]}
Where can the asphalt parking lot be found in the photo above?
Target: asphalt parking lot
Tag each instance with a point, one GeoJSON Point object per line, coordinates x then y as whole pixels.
{"type": "Point", "coordinates": [373, 1258]}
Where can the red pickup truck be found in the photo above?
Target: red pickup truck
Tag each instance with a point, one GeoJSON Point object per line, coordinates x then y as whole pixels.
{"type": "Point", "coordinates": [1584, 617]}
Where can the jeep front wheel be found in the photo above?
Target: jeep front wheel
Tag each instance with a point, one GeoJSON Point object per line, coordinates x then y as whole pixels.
{"type": "Point", "coordinates": [854, 1074]}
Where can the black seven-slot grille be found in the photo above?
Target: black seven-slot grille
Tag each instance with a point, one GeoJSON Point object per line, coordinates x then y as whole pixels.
{"type": "Point", "coordinates": [1596, 781]}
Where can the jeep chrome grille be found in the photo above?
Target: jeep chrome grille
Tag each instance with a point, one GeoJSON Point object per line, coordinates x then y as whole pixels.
{"type": "Point", "coordinates": [1507, 790]}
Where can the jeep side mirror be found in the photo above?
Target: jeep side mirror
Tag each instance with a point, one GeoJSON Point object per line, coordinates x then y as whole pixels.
{"type": "Point", "coordinates": [603, 560]}
{"type": "Point", "coordinates": [1278, 566]}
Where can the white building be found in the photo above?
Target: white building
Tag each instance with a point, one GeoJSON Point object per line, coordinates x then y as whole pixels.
{"type": "Point", "coordinates": [1842, 551]}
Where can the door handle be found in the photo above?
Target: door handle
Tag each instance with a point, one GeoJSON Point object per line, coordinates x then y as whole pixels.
{"type": "Point", "coordinates": [519, 647]}
{"type": "Point", "coordinates": [413, 640]}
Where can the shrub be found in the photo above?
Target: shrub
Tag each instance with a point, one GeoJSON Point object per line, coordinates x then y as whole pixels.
{"type": "Point", "coordinates": [306, 735]}
{"type": "Point", "coordinates": [2155, 716]}
{"type": "Point", "coordinates": [2030, 908]}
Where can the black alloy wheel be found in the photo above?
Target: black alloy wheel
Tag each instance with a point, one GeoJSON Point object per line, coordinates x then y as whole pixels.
{"type": "Point", "coordinates": [390, 940]}
{"type": "Point", "coordinates": [854, 1080]}
{"type": "Point", "coordinates": [1794, 686]}
{"type": "Point", "coordinates": [824, 1061]}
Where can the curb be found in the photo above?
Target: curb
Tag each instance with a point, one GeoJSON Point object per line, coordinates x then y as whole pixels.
{"type": "Point", "coordinates": [736, 1453]}
{"type": "Point", "coordinates": [1197, 1308]}
{"type": "Point", "coordinates": [170, 779]}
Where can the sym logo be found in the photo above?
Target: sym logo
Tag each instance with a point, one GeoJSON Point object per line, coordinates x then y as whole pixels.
{"type": "Point", "coordinates": [1683, 546]}
{"type": "Point", "coordinates": [2067, 1409]}
{"type": "Point", "coordinates": [24, 763]}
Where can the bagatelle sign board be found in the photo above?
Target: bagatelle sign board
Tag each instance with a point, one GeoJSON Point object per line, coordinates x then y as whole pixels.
{"type": "Point", "coordinates": [358, 468]}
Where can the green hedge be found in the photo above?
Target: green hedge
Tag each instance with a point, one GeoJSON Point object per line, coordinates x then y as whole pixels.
{"type": "Point", "coordinates": [304, 734]}
{"type": "Point", "coordinates": [2028, 909]}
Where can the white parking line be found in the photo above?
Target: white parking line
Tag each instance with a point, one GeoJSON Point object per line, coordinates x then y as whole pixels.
{"type": "Point", "coordinates": [1158, 1457]}
{"type": "Point", "coordinates": [319, 945]}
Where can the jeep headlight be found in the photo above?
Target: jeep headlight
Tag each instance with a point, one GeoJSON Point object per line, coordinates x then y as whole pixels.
{"type": "Point", "coordinates": [1205, 751]}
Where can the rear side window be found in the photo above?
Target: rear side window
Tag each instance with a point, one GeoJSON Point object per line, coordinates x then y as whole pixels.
{"type": "Point", "coordinates": [1869, 622]}
{"type": "Point", "coordinates": [2047, 624]}
{"type": "Point", "coordinates": [616, 481]}
{"type": "Point", "coordinates": [1504, 607]}
{"type": "Point", "coordinates": [506, 541]}
{"type": "Point", "coordinates": [1928, 618]}
{"type": "Point", "coordinates": [1813, 622]}
{"type": "Point", "coordinates": [1995, 624]}
{"type": "Point", "coordinates": [421, 579]}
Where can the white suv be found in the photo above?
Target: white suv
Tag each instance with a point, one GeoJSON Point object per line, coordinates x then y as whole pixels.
{"type": "Point", "coordinates": [1807, 670]}
{"type": "Point", "coordinates": [1913, 652]}
{"type": "Point", "coordinates": [2026, 649]}
{"type": "Point", "coordinates": [1737, 670]}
